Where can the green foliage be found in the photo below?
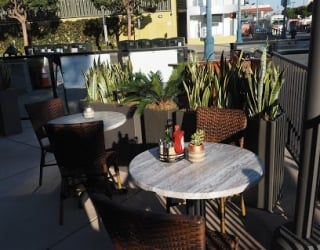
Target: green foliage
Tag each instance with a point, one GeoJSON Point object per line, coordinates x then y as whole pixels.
{"type": "Point", "coordinates": [225, 84]}
{"type": "Point", "coordinates": [118, 7]}
{"type": "Point", "coordinates": [212, 83]}
{"type": "Point", "coordinates": [5, 78]}
{"type": "Point", "coordinates": [197, 138]}
{"type": "Point", "coordinates": [150, 91]}
{"type": "Point", "coordinates": [104, 82]}
{"type": "Point", "coordinates": [302, 11]}
{"type": "Point", "coordinates": [262, 89]}
{"type": "Point", "coordinates": [198, 84]}
{"type": "Point", "coordinates": [57, 32]}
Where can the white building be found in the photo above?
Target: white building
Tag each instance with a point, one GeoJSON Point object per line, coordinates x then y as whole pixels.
{"type": "Point", "coordinates": [224, 20]}
{"type": "Point", "coordinates": [224, 28]}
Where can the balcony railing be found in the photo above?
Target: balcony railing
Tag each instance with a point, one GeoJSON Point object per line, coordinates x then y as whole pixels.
{"type": "Point", "coordinates": [292, 100]}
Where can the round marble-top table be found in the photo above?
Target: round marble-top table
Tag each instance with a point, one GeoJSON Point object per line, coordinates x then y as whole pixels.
{"type": "Point", "coordinates": [226, 170]}
{"type": "Point", "coordinates": [110, 119]}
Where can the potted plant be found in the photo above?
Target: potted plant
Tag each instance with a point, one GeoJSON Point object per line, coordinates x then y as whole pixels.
{"type": "Point", "coordinates": [206, 84]}
{"type": "Point", "coordinates": [155, 100]}
{"type": "Point", "coordinates": [196, 151]}
{"type": "Point", "coordinates": [266, 130]}
{"type": "Point", "coordinates": [10, 122]}
{"type": "Point", "coordinates": [104, 84]}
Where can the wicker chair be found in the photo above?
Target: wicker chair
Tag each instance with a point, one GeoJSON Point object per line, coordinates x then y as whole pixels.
{"type": "Point", "coordinates": [131, 228]}
{"type": "Point", "coordinates": [224, 126]}
{"type": "Point", "coordinates": [80, 153]}
{"type": "Point", "coordinates": [39, 114]}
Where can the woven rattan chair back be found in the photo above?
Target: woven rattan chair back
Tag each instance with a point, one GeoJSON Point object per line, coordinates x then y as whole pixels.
{"type": "Point", "coordinates": [78, 148]}
{"type": "Point", "coordinates": [39, 114]}
{"type": "Point", "coordinates": [138, 229]}
{"type": "Point", "coordinates": [222, 125]}
{"type": "Point", "coordinates": [80, 153]}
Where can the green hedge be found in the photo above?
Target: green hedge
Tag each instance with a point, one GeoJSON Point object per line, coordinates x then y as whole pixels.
{"type": "Point", "coordinates": [56, 32]}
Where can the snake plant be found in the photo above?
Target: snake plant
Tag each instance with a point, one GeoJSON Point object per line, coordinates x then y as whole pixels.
{"type": "Point", "coordinates": [198, 84]}
{"type": "Point", "coordinates": [262, 89]}
{"type": "Point", "coordinates": [224, 83]}
{"type": "Point", "coordinates": [104, 81]}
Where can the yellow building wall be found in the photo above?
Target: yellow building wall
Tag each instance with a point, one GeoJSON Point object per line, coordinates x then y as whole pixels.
{"type": "Point", "coordinates": [162, 25]}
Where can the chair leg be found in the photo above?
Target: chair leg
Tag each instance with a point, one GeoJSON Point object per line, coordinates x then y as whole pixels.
{"type": "Point", "coordinates": [61, 209]}
{"type": "Point", "coordinates": [113, 160]}
{"type": "Point", "coordinates": [42, 162]}
{"type": "Point", "coordinates": [243, 206]}
{"type": "Point", "coordinates": [222, 215]}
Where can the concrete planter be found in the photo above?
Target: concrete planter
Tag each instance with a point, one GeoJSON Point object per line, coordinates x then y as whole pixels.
{"type": "Point", "coordinates": [10, 122]}
{"type": "Point", "coordinates": [267, 139]}
{"type": "Point", "coordinates": [126, 139]}
{"type": "Point", "coordinates": [154, 125]}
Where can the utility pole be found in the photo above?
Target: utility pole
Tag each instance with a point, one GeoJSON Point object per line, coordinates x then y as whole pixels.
{"type": "Point", "coordinates": [209, 41]}
{"type": "Point", "coordinates": [239, 31]}
{"type": "Point", "coordinates": [284, 3]}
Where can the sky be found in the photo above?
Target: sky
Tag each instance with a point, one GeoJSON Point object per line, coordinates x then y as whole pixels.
{"type": "Point", "coordinates": [276, 4]}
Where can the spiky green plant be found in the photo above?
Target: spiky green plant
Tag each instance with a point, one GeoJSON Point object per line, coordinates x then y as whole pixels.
{"type": "Point", "coordinates": [104, 81]}
{"type": "Point", "coordinates": [262, 89]}
{"type": "Point", "coordinates": [197, 138]}
{"type": "Point", "coordinates": [224, 83]}
{"type": "Point", "coordinates": [198, 84]}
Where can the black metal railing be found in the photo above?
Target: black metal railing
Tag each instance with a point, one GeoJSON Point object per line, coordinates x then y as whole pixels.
{"type": "Point", "coordinates": [292, 100]}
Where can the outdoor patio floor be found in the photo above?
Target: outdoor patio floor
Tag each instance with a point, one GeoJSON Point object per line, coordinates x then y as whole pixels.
{"type": "Point", "coordinates": [29, 213]}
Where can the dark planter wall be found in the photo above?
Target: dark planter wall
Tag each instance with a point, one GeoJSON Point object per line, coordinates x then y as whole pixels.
{"type": "Point", "coordinates": [154, 125]}
{"type": "Point", "coordinates": [187, 121]}
{"type": "Point", "coordinates": [126, 139]}
{"type": "Point", "coordinates": [10, 122]}
{"type": "Point", "coordinates": [267, 139]}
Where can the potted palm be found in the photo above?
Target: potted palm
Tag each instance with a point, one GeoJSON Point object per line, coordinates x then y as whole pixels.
{"type": "Point", "coordinates": [10, 122]}
{"type": "Point", "coordinates": [266, 130]}
{"type": "Point", "coordinates": [196, 151]}
{"type": "Point", "coordinates": [155, 100]}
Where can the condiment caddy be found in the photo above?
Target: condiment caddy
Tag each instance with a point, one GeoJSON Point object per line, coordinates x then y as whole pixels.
{"type": "Point", "coordinates": [171, 147]}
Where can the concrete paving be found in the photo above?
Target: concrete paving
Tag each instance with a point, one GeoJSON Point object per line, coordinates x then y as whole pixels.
{"type": "Point", "coordinates": [29, 213]}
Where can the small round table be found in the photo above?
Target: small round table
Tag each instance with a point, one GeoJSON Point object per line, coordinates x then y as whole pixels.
{"type": "Point", "coordinates": [111, 120]}
{"type": "Point", "coordinates": [226, 170]}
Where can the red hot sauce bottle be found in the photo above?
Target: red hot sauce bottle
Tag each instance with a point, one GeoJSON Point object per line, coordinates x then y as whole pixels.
{"type": "Point", "coordinates": [178, 138]}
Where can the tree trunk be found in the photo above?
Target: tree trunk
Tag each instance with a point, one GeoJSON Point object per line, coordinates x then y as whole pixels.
{"type": "Point", "coordinates": [129, 22]}
{"type": "Point", "coordinates": [25, 34]}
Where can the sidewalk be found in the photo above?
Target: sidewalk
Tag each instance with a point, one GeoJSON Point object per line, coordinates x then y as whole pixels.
{"type": "Point", "coordinates": [29, 214]}
{"type": "Point", "coordinates": [218, 49]}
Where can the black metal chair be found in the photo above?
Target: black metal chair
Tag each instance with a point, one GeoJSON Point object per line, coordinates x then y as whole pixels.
{"type": "Point", "coordinates": [39, 114]}
{"type": "Point", "coordinates": [80, 153]}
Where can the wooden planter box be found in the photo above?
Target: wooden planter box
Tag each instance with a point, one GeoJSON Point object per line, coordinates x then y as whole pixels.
{"type": "Point", "coordinates": [10, 122]}
{"type": "Point", "coordinates": [267, 139]}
